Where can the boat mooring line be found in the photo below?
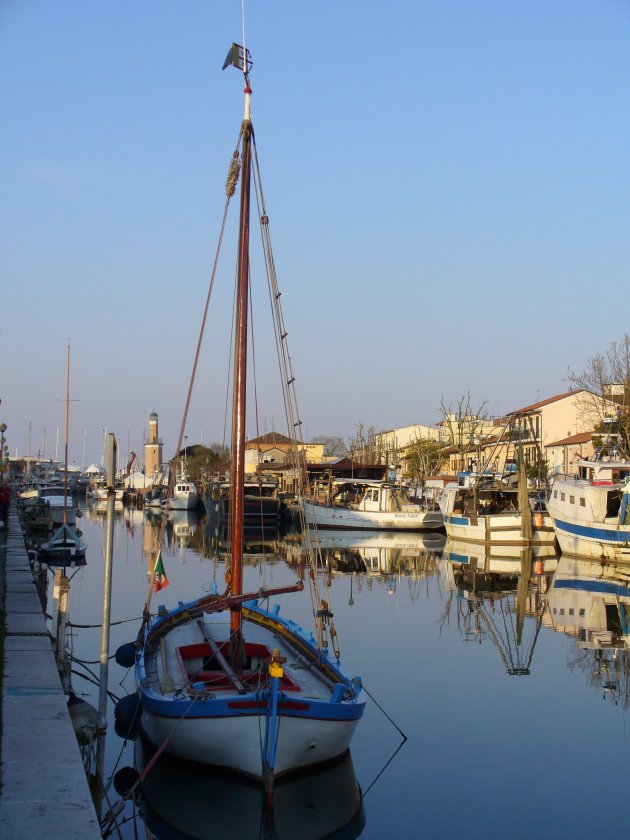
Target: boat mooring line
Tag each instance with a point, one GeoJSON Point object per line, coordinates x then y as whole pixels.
{"type": "Point", "coordinates": [384, 768]}
{"type": "Point", "coordinates": [393, 723]}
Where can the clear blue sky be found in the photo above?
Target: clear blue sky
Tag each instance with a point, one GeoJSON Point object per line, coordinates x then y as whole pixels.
{"type": "Point", "coordinates": [447, 183]}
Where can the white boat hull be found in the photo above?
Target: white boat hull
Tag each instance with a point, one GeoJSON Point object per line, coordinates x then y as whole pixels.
{"type": "Point", "coordinates": [184, 501]}
{"type": "Point", "coordinates": [206, 719]}
{"type": "Point", "coordinates": [498, 529]}
{"type": "Point", "coordinates": [578, 509]}
{"type": "Point", "coordinates": [234, 742]}
{"type": "Point", "coordinates": [332, 516]}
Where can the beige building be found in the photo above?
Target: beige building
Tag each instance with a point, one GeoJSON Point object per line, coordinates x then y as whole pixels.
{"type": "Point", "coordinates": [542, 429]}
{"type": "Point", "coordinates": [274, 448]}
{"type": "Point", "coordinates": [392, 442]}
{"type": "Point", "coordinates": [563, 455]}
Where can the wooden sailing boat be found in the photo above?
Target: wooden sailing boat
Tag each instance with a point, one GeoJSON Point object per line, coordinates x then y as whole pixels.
{"type": "Point", "coordinates": [220, 679]}
{"type": "Point", "coordinates": [65, 545]}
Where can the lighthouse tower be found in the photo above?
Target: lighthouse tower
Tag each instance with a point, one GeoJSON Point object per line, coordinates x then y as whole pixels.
{"type": "Point", "coordinates": [153, 448]}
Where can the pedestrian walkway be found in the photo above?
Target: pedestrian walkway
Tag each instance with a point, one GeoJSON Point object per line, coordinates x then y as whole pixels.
{"type": "Point", "coordinates": [45, 791]}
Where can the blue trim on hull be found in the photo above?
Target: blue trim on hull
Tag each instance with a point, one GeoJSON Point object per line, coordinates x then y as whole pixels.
{"type": "Point", "coordinates": [588, 532]}
{"type": "Point", "coordinates": [600, 586]}
{"type": "Point", "coordinates": [214, 707]}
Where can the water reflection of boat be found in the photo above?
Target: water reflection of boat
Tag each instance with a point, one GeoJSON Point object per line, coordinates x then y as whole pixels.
{"type": "Point", "coordinates": [379, 551]}
{"type": "Point", "coordinates": [494, 600]}
{"type": "Point", "coordinates": [97, 509]}
{"type": "Point", "coordinates": [256, 540]}
{"type": "Point", "coordinates": [185, 800]}
{"type": "Point", "coordinates": [183, 522]}
{"type": "Point", "coordinates": [500, 559]}
{"type": "Point", "coordinates": [591, 601]}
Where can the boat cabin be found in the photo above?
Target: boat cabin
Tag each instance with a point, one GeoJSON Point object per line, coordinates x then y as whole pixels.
{"type": "Point", "coordinates": [370, 496]}
{"type": "Point", "coordinates": [604, 472]}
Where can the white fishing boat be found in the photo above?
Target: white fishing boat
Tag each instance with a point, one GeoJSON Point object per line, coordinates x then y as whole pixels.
{"type": "Point", "coordinates": [185, 496]}
{"type": "Point", "coordinates": [591, 510]}
{"type": "Point", "coordinates": [222, 680]}
{"type": "Point", "coordinates": [487, 510]}
{"type": "Point", "coordinates": [63, 510]}
{"type": "Point", "coordinates": [370, 505]}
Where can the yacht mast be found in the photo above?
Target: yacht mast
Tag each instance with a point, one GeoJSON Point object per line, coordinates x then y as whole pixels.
{"type": "Point", "coordinates": [239, 57]}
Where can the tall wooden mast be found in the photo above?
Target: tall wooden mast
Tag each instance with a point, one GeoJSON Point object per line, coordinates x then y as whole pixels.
{"type": "Point", "coordinates": [239, 57]}
{"type": "Point", "coordinates": [65, 460]}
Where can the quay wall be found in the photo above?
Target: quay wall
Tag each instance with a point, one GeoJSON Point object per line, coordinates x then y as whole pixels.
{"type": "Point", "coordinates": [45, 791]}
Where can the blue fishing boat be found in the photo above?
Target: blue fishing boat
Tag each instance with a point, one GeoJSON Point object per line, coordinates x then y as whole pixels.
{"type": "Point", "coordinates": [222, 679]}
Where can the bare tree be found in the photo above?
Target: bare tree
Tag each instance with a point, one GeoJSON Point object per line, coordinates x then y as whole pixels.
{"type": "Point", "coordinates": [365, 445]}
{"type": "Point", "coordinates": [424, 457]}
{"type": "Point", "coordinates": [334, 446]}
{"type": "Point", "coordinates": [462, 424]}
{"type": "Point", "coordinates": [605, 382]}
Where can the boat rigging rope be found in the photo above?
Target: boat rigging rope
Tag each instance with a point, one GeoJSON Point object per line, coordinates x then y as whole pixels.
{"type": "Point", "coordinates": [230, 186]}
{"type": "Point", "coordinates": [324, 626]}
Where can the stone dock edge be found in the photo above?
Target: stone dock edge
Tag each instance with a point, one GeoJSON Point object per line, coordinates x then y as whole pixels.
{"type": "Point", "coordinates": [45, 791]}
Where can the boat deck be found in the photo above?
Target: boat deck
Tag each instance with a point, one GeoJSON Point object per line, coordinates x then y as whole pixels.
{"type": "Point", "coordinates": [185, 662]}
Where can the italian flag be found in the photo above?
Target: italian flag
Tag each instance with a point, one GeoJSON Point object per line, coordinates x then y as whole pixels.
{"type": "Point", "coordinates": [160, 581]}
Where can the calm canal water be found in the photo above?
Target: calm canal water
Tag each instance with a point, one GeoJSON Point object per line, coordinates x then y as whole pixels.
{"type": "Point", "coordinates": [513, 701]}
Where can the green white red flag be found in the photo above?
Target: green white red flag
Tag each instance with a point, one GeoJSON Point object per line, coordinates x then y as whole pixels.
{"type": "Point", "coordinates": [160, 581]}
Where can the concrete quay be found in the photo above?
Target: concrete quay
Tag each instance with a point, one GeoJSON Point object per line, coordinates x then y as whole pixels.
{"type": "Point", "coordinates": [45, 791]}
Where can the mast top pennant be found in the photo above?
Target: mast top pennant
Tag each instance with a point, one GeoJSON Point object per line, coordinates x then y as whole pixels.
{"type": "Point", "coordinates": [238, 57]}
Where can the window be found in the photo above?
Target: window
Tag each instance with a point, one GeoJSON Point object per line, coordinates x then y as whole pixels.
{"type": "Point", "coordinates": [582, 502]}
{"type": "Point", "coordinates": [555, 494]}
{"type": "Point", "coordinates": [572, 499]}
{"type": "Point", "coordinates": [562, 497]}
{"type": "Point", "coordinates": [582, 612]}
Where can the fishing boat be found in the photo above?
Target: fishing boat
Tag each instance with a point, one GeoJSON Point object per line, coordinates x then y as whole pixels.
{"type": "Point", "coordinates": [224, 680]}
{"type": "Point", "coordinates": [494, 510]}
{"type": "Point", "coordinates": [370, 505]}
{"type": "Point", "coordinates": [262, 506]}
{"type": "Point", "coordinates": [591, 510]}
{"type": "Point", "coordinates": [184, 496]}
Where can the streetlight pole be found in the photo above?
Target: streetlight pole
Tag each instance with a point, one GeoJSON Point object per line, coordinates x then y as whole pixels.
{"type": "Point", "coordinates": [3, 428]}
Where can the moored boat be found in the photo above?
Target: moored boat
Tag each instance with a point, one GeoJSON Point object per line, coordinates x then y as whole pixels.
{"type": "Point", "coordinates": [591, 510]}
{"type": "Point", "coordinates": [262, 507]}
{"type": "Point", "coordinates": [489, 510]}
{"type": "Point", "coordinates": [221, 680]}
{"type": "Point", "coordinates": [371, 505]}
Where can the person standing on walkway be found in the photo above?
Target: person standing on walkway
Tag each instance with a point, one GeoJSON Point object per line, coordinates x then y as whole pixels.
{"type": "Point", "coordinates": [5, 498]}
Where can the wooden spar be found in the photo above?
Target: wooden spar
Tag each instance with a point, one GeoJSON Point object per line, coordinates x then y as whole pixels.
{"type": "Point", "coordinates": [240, 393]}
{"type": "Point", "coordinates": [523, 499]}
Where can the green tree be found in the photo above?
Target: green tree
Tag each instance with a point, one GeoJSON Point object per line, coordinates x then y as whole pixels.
{"type": "Point", "coordinates": [203, 461]}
